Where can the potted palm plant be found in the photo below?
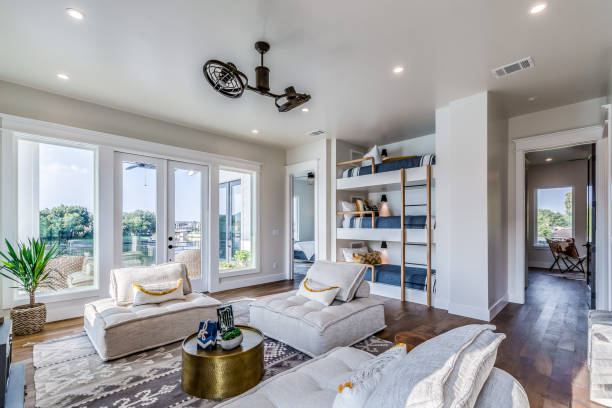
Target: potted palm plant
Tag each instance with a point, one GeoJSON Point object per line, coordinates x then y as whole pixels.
{"type": "Point", "coordinates": [25, 265]}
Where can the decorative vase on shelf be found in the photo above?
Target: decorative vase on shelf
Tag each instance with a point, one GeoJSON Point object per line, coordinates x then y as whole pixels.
{"type": "Point", "coordinates": [231, 339]}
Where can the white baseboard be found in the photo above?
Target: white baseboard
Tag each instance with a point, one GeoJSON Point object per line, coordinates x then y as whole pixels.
{"type": "Point", "coordinates": [498, 306]}
{"type": "Point", "coordinates": [480, 313]}
{"type": "Point", "coordinates": [411, 295]}
{"type": "Point", "coordinates": [541, 264]}
{"type": "Point", "coordinates": [258, 279]}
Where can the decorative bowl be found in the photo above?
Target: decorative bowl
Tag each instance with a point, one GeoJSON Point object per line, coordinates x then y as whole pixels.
{"type": "Point", "coordinates": [231, 344]}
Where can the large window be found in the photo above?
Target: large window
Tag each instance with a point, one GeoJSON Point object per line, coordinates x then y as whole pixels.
{"type": "Point", "coordinates": [56, 202]}
{"type": "Point", "coordinates": [236, 246]}
{"type": "Point", "coordinates": [554, 214]}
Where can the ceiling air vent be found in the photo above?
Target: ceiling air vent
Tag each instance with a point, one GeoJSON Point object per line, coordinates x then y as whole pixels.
{"type": "Point", "coordinates": [317, 132]}
{"type": "Point", "coordinates": [516, 66]}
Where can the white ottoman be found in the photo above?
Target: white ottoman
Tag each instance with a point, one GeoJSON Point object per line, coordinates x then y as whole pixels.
{"type": "Point", "coordinates": [313, 328]}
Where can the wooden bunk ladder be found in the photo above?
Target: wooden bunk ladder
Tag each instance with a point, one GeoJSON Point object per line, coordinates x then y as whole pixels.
{"type": "Point", "coordinates": [428, 285]}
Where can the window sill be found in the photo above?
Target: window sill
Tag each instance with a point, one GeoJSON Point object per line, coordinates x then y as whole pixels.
{"type": "Point", "coordinates": [58, 297]}
{"type": "Point", "coordinates": [237, 272]}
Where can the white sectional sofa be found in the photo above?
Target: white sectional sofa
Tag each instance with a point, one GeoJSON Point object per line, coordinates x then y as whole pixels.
{"type": "Point", "coordinates": [315, 328]}
{"type": "Point", "coordinates": [315, 382]}
{"type": "Point", "coordinates": [117, 328]}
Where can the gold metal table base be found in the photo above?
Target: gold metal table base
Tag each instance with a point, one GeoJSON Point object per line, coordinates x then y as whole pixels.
{"type": "Point", "coordinates": [217, 373]}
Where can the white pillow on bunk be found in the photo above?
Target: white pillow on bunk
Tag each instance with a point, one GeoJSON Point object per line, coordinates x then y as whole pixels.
{"type": "Point", "coordinates": [372, 153]}
{"type": "Point", "coordinates": [347, 253]}
{"type": "Point", "coordinates": [347, 206]}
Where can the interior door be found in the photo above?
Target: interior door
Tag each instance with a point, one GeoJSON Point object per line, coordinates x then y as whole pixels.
{"type": "Point", "coordinates": [591, 228]}
{"type": "Point", "coordinates": [187, 206]}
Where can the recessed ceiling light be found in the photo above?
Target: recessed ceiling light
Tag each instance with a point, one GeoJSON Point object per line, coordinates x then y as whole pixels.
{"type": "Point", "coordinates": [254, 131]}
{"type": "Point", "coordinates": [532, 98]}
{"type": "Point", "coordinates": [305, 110]}
{"type": "Point", "coordinates": [63, 77]}
{"type": "Point", "coordinates": [76, 14]}
{"type": "Point", "coordinates": [398, 70]}
{"type": "Point", "coordinates": [549, 159]}
{"type": "Point", "coordinates": [538, 8]}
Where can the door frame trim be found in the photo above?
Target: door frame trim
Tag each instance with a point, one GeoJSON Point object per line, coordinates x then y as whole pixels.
{"type": "Point", "coordinates": [585, 135]}
{"type": "Point", "coordinates": [290, 170]}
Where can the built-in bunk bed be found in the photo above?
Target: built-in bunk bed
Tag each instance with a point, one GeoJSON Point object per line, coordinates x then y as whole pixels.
{"type": "Point", "coordinates": [366, 224]}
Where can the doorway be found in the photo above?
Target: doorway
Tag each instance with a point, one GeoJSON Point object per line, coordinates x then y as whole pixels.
{"type": "Point", "coordinates": [160, 212]}
{"type": "Point", "coordinates": [303, 226]}
{"type": "Point", "coordinates": [560, 203]}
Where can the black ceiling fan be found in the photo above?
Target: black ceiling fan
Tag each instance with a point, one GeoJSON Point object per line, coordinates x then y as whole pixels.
{"type": "Point", "coordinates": [226, 79]}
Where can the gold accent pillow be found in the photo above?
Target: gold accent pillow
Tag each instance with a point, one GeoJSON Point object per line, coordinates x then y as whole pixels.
{"type": "Point", "coordinates": [370, 258]}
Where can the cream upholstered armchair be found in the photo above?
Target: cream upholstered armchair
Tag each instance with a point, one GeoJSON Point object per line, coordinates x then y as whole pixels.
{"type": "Point", "coordinates": [68, 271]}
{"type": "Point", "coordinates": [192, 260]}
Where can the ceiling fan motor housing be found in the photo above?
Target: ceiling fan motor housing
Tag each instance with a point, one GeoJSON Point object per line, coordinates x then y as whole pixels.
{"type": "Point", "coordinates": [262, 78]}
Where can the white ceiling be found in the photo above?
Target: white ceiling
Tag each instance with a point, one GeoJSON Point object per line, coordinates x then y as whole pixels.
{"type": "Point", "coordinates": [146, 56]}
{"type": "Point", "coordinates": [570, 153]}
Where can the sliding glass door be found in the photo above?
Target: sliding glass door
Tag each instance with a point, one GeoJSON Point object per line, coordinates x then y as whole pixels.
{"type": "Point", "coordinates": [160, 210]}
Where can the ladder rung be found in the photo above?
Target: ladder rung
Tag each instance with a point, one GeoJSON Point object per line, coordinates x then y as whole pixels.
{"type": "Point", "coordinates": [415, 205]}
{"type": "Point", "coordinates": [416, 243]}
{"type": "Point", "coordinates": [415, 185]}
{"type": "Point", "coordinates": [414, 263]}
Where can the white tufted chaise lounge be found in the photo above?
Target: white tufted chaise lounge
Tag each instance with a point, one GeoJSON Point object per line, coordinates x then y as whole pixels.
{"type": "Point", "coordinates": [117, 328]}
{"type": "Point", "coordinates": [314, 328]}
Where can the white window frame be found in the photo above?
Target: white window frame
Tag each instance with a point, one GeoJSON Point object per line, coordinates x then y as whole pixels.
{"type": "Point", "coordinates": [107, 144]}
{"type": "Point", "coordinates": [536, 244]}
{"type": "Point", "coordinates": [255, 214]}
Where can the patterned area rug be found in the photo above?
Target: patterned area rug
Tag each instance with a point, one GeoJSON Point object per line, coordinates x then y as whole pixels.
{"type": "Point", "coordinates": [69, 372]}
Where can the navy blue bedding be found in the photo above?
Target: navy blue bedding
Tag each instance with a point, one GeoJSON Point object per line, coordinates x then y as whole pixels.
{"type": "Point", "coordinates": [412, 222]}
{"type": "Point", "coordinates": [416, 161]}
{"type": "Point", "coordinates": [301, 256]}
{"type": "Point", "coordinates": [391, 275]}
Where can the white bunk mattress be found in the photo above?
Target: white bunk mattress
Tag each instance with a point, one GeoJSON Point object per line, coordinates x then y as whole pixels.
{"type": "Point", "coordinates": [418, 236]}
{"type": "Point", "coordinates": [389, 180]}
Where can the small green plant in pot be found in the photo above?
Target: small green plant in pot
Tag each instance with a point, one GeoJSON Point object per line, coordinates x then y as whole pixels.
{"type": "Point", "coordinates": [25, 266]}
{"type": "Point", "coordinates": [231, 339]}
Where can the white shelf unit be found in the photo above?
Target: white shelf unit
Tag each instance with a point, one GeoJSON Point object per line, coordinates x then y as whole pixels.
{"type": "Point", "coordinates": [397, 180]}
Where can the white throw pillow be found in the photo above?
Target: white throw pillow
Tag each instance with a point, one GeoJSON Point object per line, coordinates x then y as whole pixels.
{"type": "Point", "coordinates": [347, 276]}
{"type": "Point", "coordinates": [363, 291]}
{"type": "Point", "coordinates": [471, 371]}
{"type": "Point", "coordinates": [157, 292]}
{"type": "Point", "coordinates": [356, 391]}
{"type": "Point", "coordinates": [372, 153]}
{"type": "Point", "coordinates": [418, 379]}
{"type": "Point", "coordinates": [317, 291]}
{"type": "Point", "coordinates": [347, 206]}
{"type": "Point", "coordinates": [347, 253]}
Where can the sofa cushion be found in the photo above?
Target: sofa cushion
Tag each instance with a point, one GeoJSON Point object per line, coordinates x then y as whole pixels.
{"type": "Point", "coordinates": [501, 390]}
{"type": "Point", "coordinates": [418, 379]}
{"type": "Point", "coordinates": [363, 290]}
{"type": "Point", "coordinates": [355, 392]}
{"type": "Point", "coordinates": [113, 315]}
{"type": "Point", "coordinates": [347, 276]}
{"type": "Point", "coordinates": [122, 279]}
{"type": "Point", "coordinates": [313, 313]}
{"type": "Point", "coordinates": [311, 384]}
{"type": "Point", "coordinates": [472, 370]}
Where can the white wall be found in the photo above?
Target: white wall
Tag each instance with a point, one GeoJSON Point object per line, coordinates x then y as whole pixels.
{"type": "Point", "coordinates": [471, 220]}
{"type": "Point", "coordinates": [564, 174]}
{"type": "Point", "coordinates": [497, 154]}
{"type": "Point", "coordinates": [412, 147]}
{"type": "Point", "coordinates": [31, 103]}
{"type": "Point", "coordinates": [577, 115]}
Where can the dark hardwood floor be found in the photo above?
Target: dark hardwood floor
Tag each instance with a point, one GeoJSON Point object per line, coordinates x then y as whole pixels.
{"type": "Point", "coordinates": [545, 348]}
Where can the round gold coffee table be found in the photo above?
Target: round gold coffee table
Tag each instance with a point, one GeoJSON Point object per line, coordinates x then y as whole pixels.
{"type": "Point", "coordinates": [217, 373]}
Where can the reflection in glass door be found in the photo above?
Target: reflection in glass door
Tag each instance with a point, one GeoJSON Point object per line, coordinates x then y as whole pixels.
{"type": "Point", "coordinates": [185, 215]}
{"type": "Point", "coordinates": [230, 200]}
